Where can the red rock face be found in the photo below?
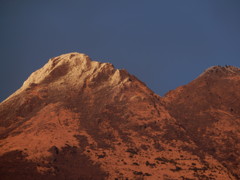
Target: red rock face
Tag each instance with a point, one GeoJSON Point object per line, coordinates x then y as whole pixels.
{"type": "Point", "coordinates": [81, 119]}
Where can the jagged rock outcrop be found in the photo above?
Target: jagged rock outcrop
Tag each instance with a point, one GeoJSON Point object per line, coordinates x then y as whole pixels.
{"type": "Point", "coordinates": [80, 119]}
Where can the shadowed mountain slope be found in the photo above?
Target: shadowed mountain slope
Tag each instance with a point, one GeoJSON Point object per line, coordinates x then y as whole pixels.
{"type": "Point", "coordinates": [80, 119]}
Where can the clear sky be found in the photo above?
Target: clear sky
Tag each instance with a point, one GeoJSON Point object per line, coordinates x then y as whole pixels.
{"type": "Point", "coordinates": [165, 43]}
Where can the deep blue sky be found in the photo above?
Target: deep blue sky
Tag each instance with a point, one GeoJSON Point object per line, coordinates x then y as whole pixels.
{"type": "Point", "coordinates": [165, 43]}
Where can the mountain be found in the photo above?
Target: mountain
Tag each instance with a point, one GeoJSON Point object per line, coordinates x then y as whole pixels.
{"type": "Point", "coordinates": [208, 109]}
{"type": "Point", "coordinates": [81, 119]}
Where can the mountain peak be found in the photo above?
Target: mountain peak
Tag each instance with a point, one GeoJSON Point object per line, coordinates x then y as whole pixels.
{"type": "Point", "coordinates": [73, 57]}
{"type": "Point", "coordinates": [75, 70]}
{"type": "Point", "coordinates": [221, 70]}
